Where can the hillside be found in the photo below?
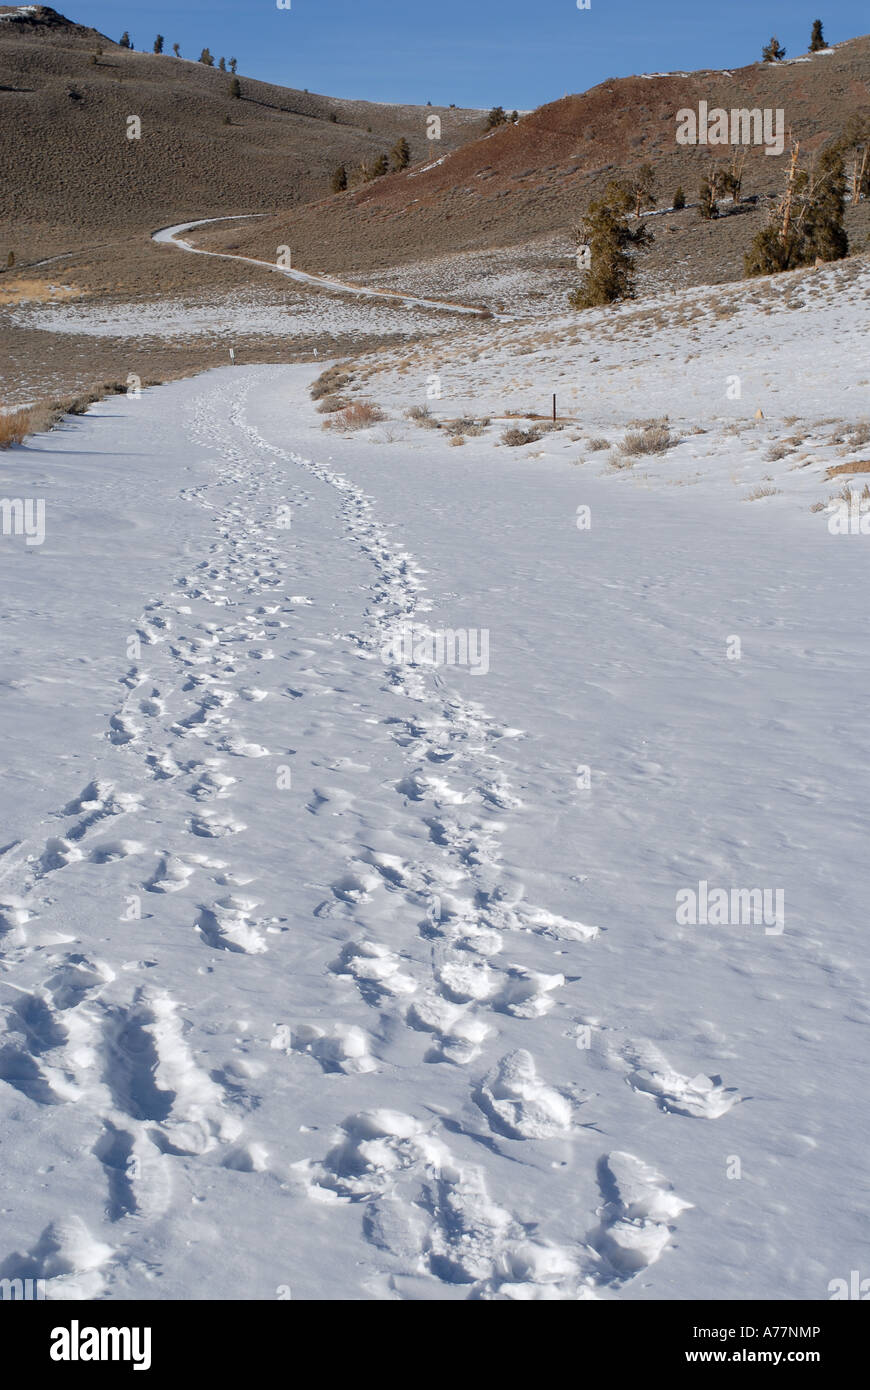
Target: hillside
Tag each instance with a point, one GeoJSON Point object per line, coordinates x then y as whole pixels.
{"type": "Point", "coordinates": [521, 181]}
{"type": "Point", "coordinates": [75, 173]}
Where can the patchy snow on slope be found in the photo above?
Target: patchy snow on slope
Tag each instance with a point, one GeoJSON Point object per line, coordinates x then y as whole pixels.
{"type": "Point", "coordinates": [327, 969]}
{"type": "Point", "coordinates": [228, 316]}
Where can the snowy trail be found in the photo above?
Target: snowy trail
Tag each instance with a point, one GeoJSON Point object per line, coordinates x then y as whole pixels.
{"type": "Point", "coordinates": [271, 981]}
{"type": "Point", "coordinates": [172, 236]}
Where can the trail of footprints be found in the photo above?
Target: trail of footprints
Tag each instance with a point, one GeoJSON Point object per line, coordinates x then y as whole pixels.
{"type": "Point", "coordinates": [421, 1204]}
{"type": "Point", "coordinates": [75, 1039]}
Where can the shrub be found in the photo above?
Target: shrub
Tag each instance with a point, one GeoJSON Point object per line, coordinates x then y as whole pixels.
{"type": "Point", "coordinates": [235, 88]}
{"type": "Point", "coordinates": [457, 439]}
{"type": "Point", "coordinates": [654, 439]}
{"type": "Point", "coordinates": [679, 200]}
{"type": "Point", "coordinates": [333, 379]}
{"type": "Point", "coordinates": [357, 416]}
{"type": "Point", "coordinates": [330, 404]}
{"type": "Point", "coordinates": [514, 437]}
{"type": "Point", "coordinates": [596, 444]}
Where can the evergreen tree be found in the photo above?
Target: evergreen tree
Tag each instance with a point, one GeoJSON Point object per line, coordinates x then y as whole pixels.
{"type": "Point", "coordinates": [205, 57]}
{"type": "Point", "coordinates": [514, 117]}
{"type": "Point", "coordinates": [773, 52]}
{"type": "Point", "coordinates": [158, 44]}
{"type": "Point", "coordinates": [379, 167]}
{"type": "Point", "coordinates": [233, 64]}
{"type": "Point", "coordinates": [235, 88]}
{"type": "Point", "coordinates": [808, 222]}
{"type": "Point", "coordinates": [497, 116]}
{"type": "Point", "coordinates": [610, 276]}
{"type": "Point", "coordinates": [641, 189]}
{"type": "Point", "coordinates": [339, 179]}
{"type": "Point", "coordinates": [223, 64]}
{"type": "Point", "coordinates": [124, 40]}
{"type": "Point", "coordinates": [679, 200]}
{"type": "Point", "coordinates": [10, 260]}
{"type": "Point", "coordinates": [176, 50]}
{"type": "Point", "coordinates": [817, 38]}
{"type": "Point", "coordinates": [707, 206]}
{"type": "Point", "coordinates": [400, 155]}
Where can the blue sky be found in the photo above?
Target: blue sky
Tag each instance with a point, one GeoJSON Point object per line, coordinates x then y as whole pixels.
{"type": "Point", "coordinates": [516, 53]}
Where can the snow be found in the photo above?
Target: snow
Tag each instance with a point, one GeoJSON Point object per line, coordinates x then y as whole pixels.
{"type": "Point", "coordinates": [173, 236]}
{"type": "Point", "coordinates": [327, 973]}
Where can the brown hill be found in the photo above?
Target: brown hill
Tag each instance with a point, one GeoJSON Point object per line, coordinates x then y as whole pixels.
{"type": "Point", "coordinates": [69, 174]}
{"type": "Point", "coordinates": [521, 181]}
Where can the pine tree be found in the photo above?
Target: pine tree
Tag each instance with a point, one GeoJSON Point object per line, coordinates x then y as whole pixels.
{"type": "Point", "coordinates": [641, 189]}
{"type": "Point", "coordinates": [235, 88]}
{"type": "Point", "coordinates": [223, 64]}
{"type": "Point", "coordinates": [817, 38]}
{"type": "Point", "coordinates": [773, 52]}
{"type": "Point", "coordinates": [379, 167]}
{"type": "Point", "coordinates": [339, 179]}
{"type": "Point", "coordinates": [497, 116]}
{"type": "Point", "coordinates": [158, 44]}
{"type": "Point", "coordinates": [514, 117]}
{"type": "Point", "coordinates": [610, 276]}
{"type": "Point", "coordinates": [10, 260]}
{"type": "Point", "coordinates": [400, 155]}
{"type": "Point", "coordinates": [233, 64]}
{"type": "Point", "coordinates": [124, 41]}
{"type": "Point", "coordinates": [679, 200]}
{"type": "Point", "coordinates": [176, 50]}
{"type": "Point", "coordinates": [205, 57]}
{"type": "Point", "coordinates": [807, 224]}
{"type": "Point", "coordinates": [707, 206]}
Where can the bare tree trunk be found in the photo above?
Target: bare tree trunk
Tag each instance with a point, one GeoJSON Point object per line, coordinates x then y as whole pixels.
{"type": "Point", "coordinates": [786, 206]}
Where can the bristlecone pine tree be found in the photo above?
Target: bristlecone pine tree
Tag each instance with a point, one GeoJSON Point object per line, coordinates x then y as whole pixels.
{"type": "Point", "coordinates": [400, 155]}
{"type": "Point", "coordinates": [339, 179]}
{"type": "Point", "coordinates": [642, 188]}
{"type": "Point", "coordinates": [124, 40]}
{"type": "Point", "coordinates": [611, 275]}
{"type": "Point", "coordinates": [817, 38]}
{"type": "Point", "coordinates": [205, 57]}
{"type": "Point", "coordinates": [158, 44]}
{"type": "Point", "coordinates": [808, 222]}
{"type": "Point", "coordinates": [234, 63]}
{"type": "Point", "coordinates": [707, 206]}
{"type": "Point", "coordinates": [679, 200]}
{"type": "Point", "coordinates": [854, 144]}
{"type": "Point", "coordinates": [773, 52]}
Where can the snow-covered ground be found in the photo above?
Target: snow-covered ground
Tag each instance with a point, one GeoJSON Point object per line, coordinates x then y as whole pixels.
{"type": "Point", "coordinates": [329, 973]}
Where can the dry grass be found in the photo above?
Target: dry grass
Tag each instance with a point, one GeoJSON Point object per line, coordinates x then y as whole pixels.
{"type": "Point", "coordinates": [758, 492]}
{"type": "Point", "coordinates": [356, 417]}
{"type": "Point", "coordinates": [777, 452]}
{"type": "Point", "coordinates": [15, 427]}
{"type": "Point", "coordinates": [862, 466]}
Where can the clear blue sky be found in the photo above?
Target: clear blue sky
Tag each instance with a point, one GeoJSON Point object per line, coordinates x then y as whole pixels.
{"type": "Point", "coordinates": [514, 53]}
